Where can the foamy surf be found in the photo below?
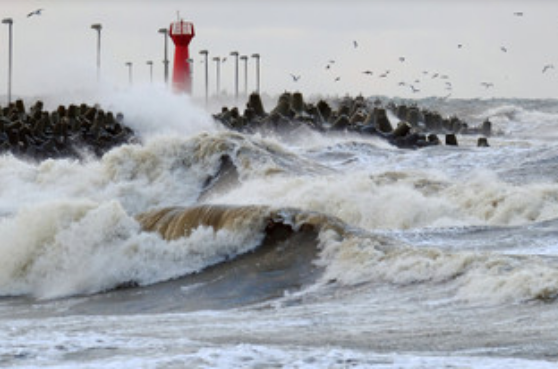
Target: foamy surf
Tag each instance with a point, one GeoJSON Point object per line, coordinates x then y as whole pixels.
{"type": "Point", "coordinates": [207, 247]}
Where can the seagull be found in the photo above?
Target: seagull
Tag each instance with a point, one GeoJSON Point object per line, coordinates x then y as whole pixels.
{"type": "Point", "coordinates": [415, 90]}
{"type": "Point", "coordinates": [487, 84]}
{"type": "Point", "coordinates": [224, 59]}
{"type": "Point", "coordinates": [402, 83]}
{"type": "Point", "coordinates": [337, 79]}
{"type": "Point", "coordinates": [355, 44]}
{"type": "Point", "coordinates": [401, 59]}
{"type": "Point", "coordinates": [295, 78]}
{"type": "Point", "coordinates": [435, 75]}
{"type": "Point", "coordinates": [369, 72]}
{"type": "Point", "coordinates": [35, 12]}
{"type": "Point", "coordinates": [547, 67]}
{"type": "Point", "coordinates": [459, 46]}
{"type": "Point", "coordinates": [518, 14]}
{"type": "Point", "coordinates": [504, 49]}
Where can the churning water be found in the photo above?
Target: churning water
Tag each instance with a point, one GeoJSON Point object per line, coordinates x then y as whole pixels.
{"type": "Point", "coordinates": [209, 248]}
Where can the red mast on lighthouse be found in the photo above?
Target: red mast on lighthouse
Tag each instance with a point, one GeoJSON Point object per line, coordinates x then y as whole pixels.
{"type": "Point", "coordinates": [182, 33]}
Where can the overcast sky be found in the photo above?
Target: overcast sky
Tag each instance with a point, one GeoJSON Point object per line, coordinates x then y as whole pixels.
{"type": "Point", "coordinates": [55, 52]}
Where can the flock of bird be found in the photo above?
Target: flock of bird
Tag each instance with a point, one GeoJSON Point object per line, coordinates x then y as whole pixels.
{"type": "Point", "coordinates": [413, 86]}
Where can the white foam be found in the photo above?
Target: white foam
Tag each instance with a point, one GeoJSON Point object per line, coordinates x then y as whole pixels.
{"type": "Point", "coordinates": [472, 276]}
{"type": "Point", "coordinates": [405, 199]}
{"type": "Point", "coordinates": [69, 248]}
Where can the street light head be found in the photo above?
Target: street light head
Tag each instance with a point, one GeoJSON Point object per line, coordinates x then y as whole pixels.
{"type": "Point", "coordinates": [204, 52]}
{"type": "Point", "coordinates": [97, 26]}
{"type": "Point", "coordinates": [234, 53]}
{"type": "Point", "coordinates": [255, 56]}
{"type": "Point", "coordinates": [243, 57]}
{"type": "Point", "coordinates": [163, 31]}
{"type": "Point", "coordinates": [149, 62]}
{"type": "Point", "coordinates": [216, 58]}
{"type": "Point", "coordinates": [7, 21]}
{"type": "Point", "coordinates": [129, 64]}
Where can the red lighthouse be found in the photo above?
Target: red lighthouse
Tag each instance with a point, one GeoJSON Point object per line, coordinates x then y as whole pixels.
{"type": "Point", "coordinates": [182, 33]}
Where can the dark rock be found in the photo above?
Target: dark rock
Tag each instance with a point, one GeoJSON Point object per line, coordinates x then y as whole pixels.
{"type": "Point", "coordinates": [381, 120]}
{"type": "Point", "coordinates": [40, 135]}
{"type": "Point", "coordinates": [451, 140]}
{"type": "Point", "coordinates": [255, 102]}
{"type": "Point", "coordinates": [417, 130]}
{"type": "Point", "coordinates": [482, 142]}
{"type": "Point", "coordinates": [403, 128]}
{"type": "Point", "coordinates": [486, 128]}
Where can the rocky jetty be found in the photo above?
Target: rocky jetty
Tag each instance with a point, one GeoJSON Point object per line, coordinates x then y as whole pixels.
{"type": "Point", "coordinates": [68, 132]}
{"type": "Point", "coordinates": [415, 128]}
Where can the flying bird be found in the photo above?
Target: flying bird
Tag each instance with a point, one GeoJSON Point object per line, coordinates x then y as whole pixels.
{"type": "Point", "coordinates": [547, 67]}
{"type": "Point", "coordinates": [504, 49]}
{"type": "Point", "coordinates": [224, 59]}
{"type": "Point", "coordinates": [337, 79]}
{"type": "Point", "coordinates": [401, 59]}
{"type": "Point", "coordinates": [295, 78]}
{"type": "Point", "coordinates": [355, 44]}
{"type": "Point", "coordinates": [518, 14]}
{"type": "Point", "coordinates": [487, 84]}
{"type": "Point", "coordinates": [35, 12]}
{"type": "Point", "coordinates": [369, 72]}
{"type": "Point", "coordinates": [459, 46]}
{"type": "Point", "coordinates": [415, 90]}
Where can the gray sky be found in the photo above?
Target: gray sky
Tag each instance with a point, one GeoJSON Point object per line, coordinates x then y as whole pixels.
{"type": "Point", "coordinates": [55, 53]}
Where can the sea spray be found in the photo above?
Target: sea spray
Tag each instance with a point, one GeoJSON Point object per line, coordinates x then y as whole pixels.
{"type": "Point", "coordinates": [84, 248]}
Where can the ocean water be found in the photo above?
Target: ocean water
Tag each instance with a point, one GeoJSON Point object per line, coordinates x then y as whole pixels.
{"type": "Point", "coordinates": [205, 248]}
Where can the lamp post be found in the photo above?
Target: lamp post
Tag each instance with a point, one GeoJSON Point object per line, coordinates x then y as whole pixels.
{"type": "Point", "coordinates": [235, 54]}
{"type": "Point", "coordinates": [217, 61]}
{"type": "Point", "coordinates": [190, 61]}
{"type": "Point", "coordinates": [244, 58]}
{"type": "Point", "coordinates": [98, 27]}
{"type": "Point", "coordinates": [9, 22]}
{"type": "Point", "coordinates": [257, 57]}
{"type": "Point", "coordinates": [165, 33]}
{"type": "Point", "coordinates": [129, 65]}
{"type": "Point", "coordinates": [150, 63]}
{"type": "Point", "coordinates": [205, 54]}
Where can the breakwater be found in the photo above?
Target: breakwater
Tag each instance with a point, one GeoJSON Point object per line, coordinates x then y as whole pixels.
{"type": "Point", "coordinates": [414, 127]}
{"type": "Point", "coordinates": [72, 131]}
